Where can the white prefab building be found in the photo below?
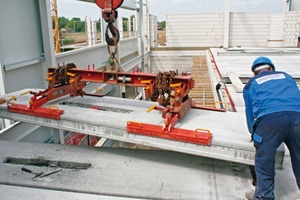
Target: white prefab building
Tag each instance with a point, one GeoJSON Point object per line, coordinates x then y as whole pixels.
{"type": "Point", "coordinates": [233, 30]}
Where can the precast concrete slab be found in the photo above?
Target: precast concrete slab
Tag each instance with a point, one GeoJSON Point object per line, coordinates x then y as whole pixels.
{"type": "Point", "coordinates": [240, 60]}
{"type": "Point", "coordinates": [13, 192]}
{"type": "Point", "coordinates": [230, 142]}
{"type": "Point", "coordinates": [121, 174]}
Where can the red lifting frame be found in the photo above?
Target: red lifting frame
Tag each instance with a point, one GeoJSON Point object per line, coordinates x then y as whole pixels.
{"type": "Point", "coordinates": [81, 76]}
{"type": "Point", "coordinates": [124, 78]}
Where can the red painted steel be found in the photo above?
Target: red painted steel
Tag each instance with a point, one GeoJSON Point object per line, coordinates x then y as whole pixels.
{"type": "Point", "coordinates": [73, 81]}
{"type": "Point", "coordinates": [52, 113]}
{"type": "Point", "coordinates": [124, 78]}
{"type": "Point", "coordinates": [104, 4]}
{"type": "Point", "coordinates": [202, 137]}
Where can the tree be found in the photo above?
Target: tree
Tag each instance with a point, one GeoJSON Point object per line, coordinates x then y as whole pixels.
{"type": "Point", "coordinates": [62, 22]}
{"type": "Point", "coordinates": [125, 20]}
{"type": "Point", "coordinates": [98, 25]}
{"type": "Point", "coordinates": [79, 26]}
{"type": "Point", "coordinates": [162, 24]}
{"type": "Point", "coordinates": [132, 17]}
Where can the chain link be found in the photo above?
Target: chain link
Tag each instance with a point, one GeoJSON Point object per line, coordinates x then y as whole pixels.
{"type": "Point", "coordinates": [162, 90]}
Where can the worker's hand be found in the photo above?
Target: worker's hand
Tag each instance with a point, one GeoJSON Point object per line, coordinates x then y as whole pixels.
{"type": "Point", "coordinates": [10, 98]}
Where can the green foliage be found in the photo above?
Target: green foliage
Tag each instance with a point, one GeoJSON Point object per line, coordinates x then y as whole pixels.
{"type": "Point", "coordinates": [67, 41]}
{"type": "Point", "coordinates": [75, 24]}
{"type": "Point", "coordinates": [132, 17]}
{"type": "Point", "coordinates": [62, 21]}
{"type": "Point", "coordinates": [125, 23]}
{"type": "Point", "coordinates": [125, 26]}
{"type": "Point", "coordinates": [98, 25]}
{"type": "Point", "coordinates": [162, 24]}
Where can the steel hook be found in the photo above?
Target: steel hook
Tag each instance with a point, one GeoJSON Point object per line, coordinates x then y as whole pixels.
{"type": "Point", "coordinates": [115, 35]}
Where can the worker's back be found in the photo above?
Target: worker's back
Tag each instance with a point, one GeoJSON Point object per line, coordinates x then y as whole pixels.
{"type": "Point", "coordinates": [272, 91]}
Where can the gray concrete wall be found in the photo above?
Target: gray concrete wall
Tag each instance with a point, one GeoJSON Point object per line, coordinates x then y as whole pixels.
{"type": "Point", "coordinates": [24, 43]}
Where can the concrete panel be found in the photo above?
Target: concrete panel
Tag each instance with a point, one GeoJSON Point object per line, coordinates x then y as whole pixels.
{"type": "Point", "coordinates": [21, 44]}
{"type": "Point", "coordinates": [83, 57]}
{"type": "Point", "coordinates": [128, 46]}
{"type": "Point", "coordinates": [236, 82]}
{"type": "Point", "coordinates": [231, 141]}
{"type": "Point", "coordinates": [96, 55]}
{"type": "Point", "coordinates": [27, 76]}
{"type": "Point", "coordinates": [123, 174]}
{"type": "Point", "coordinates": [20, 32]}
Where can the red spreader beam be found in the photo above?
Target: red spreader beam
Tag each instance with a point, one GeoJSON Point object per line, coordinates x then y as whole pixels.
{"type": "Point", "coordinates": [198, 136]}
{"type": "Point", "coordinates": [51, 112]}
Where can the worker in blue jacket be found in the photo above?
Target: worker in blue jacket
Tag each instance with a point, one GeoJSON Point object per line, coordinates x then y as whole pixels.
{"type": "Point", "coordinates": [272, 100]}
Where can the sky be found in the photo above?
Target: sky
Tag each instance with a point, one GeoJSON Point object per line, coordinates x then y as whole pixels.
{"type": "Point", "coordinates": [161, 8]}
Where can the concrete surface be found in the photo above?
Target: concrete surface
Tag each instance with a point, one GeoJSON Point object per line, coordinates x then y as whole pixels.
{"type": "Point", "coordinates": [231, 140]}
{"type": "Point", "coordinates": [117, 173]}
{"type": "Point", "coordinates": [240, 60]}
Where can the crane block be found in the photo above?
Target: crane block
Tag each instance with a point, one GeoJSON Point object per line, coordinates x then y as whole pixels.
{"type": "Point", "coordinates": [103, 4]}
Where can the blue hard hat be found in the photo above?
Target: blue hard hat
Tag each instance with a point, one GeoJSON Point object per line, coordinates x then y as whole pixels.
{"type": "Point", "coordinates": [262, 61]}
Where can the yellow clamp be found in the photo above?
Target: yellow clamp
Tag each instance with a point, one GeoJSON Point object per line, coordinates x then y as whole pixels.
{"type": "Point", "coordinates": [145, 81]}
{"type": "Point", "coordinates": [13, 98]}
{"type": "Point", "coordinates": [71, 74]}
{"type": "Point", "coordinates": [151, 108]}
{"type": "Point", "coordinates": [175, 85]}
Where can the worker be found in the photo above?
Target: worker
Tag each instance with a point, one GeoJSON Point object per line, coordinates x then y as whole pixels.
{"type": "Point", "coordinates": [6, 100]}
{"type": "Point", "coordinates": [272, 100]}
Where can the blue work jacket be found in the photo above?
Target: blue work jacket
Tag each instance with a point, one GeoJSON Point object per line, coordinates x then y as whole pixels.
{"type": "Point", "coordinates": [270, 92]}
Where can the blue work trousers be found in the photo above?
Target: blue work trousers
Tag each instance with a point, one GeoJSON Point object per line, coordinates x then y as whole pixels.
{"type": "Point", "coordinates": [269, 133]}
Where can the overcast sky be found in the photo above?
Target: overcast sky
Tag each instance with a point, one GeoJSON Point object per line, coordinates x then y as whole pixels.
{"type": "Point", "coordinates": [160, 8]}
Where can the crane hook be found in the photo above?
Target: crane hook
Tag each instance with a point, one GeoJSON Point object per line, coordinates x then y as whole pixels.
{"type": "Point", "coordinates": [115, 35]}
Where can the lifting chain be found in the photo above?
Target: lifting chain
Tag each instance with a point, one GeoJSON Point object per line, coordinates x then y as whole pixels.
{"type": "Point", "coordinates": [112, 34]}
{"type": "Point", "coordinates": [112, 62]}
{"type": "Point", "coordinates": [162, 90]}
{"type": "Point", "coordinates": [61, 73]}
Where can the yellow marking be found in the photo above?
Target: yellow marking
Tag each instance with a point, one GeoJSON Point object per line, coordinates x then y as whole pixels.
{"type": "Point", "coordinates": [175, 85]}
{"type": "Point", "coordinates": [128, 122]}
{"type": "Point", "coordinates": [201, 129]}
